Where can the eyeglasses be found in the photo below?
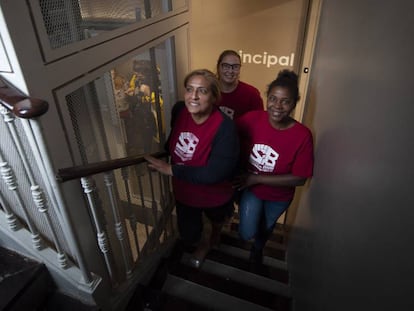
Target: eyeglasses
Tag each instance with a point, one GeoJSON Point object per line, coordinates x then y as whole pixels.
{"type": "Point", "coordinates": [226, 66]}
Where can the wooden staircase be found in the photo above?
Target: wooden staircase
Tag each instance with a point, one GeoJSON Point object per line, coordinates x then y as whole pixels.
{"type": "Point", "coordinates": [226, 280]}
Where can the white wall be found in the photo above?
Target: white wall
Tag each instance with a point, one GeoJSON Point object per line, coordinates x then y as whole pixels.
{"type": "Point", "coordinates": [352, 246]}
{"type": "Point", "coordinates": [9, 64]}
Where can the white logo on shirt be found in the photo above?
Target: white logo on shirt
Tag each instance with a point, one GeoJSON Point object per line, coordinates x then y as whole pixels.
{"type": "Point", "coordinates": [263, 157]}
{"type": "Point", "coordinates": [229, 112]}
{"type": "Point", "coordinates": [186, 146]}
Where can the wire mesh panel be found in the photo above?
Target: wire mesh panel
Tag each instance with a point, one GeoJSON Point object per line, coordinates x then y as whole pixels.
{"type": "Point", "coordinates": [68, 21]}
{"type": "Point", "coordinates": [125, 111]}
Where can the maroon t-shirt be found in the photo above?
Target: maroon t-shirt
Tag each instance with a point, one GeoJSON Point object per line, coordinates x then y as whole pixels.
{"type": "Point", "coordinates": [269, 151]}
{"type": "Point", "coordinates": [243, 99]}
{"type": "Point", "coordinates": [191, 146]}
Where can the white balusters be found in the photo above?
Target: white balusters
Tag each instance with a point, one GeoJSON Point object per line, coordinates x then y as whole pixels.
{"type": "Point", "coordinates": [11, 182]}
{"type": "Point", "coordinates": [88, 189]}
{"type": "Point", "coordinates": [118, 223]}
{"type": "Point", "coordinates": [41, 204]}
{"type": "Point", "coordinates": [11, 218]}
{"type": "Point", "coordinates": [37, 193]}
{"type": "Point", "coordinates": [35, 137]}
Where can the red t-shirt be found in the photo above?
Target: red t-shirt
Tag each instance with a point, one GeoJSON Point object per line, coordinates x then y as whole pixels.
{"type": "Point", "coordinates": [243, 99]}
{"type": "Point", "coordinates": [266, 150]}
{"type": "Point", "coordinates": [191, 145]}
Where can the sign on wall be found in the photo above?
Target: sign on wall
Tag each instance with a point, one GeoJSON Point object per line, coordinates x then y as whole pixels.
{"type": "Point", "coordinates": [268, 35]}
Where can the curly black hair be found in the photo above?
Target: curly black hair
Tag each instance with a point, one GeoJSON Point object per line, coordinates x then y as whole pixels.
{"type": "Point", "coordinates": [288, 79]}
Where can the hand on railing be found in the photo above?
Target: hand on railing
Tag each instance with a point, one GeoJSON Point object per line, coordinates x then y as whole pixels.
{"type": "Point", "coordinates": [75, 172]}
{"type": "Point", "coordinates": [159, 165]}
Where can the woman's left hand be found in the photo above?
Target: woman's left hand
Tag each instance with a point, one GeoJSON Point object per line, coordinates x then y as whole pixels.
{"type": "Point", "coordinates": [243, 181]}
{"type": "Point", "coordinates": [159, 165]}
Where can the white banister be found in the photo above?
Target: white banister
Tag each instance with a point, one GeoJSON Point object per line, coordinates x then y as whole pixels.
{"type": "Point", "coordinates": [119, 225]}
{"type": "Point", "coordinates": [11, 182]}
{"type": "Point", "coordinates": [88, 189]}
{"type": "Point", "coordinates": [38, 146]}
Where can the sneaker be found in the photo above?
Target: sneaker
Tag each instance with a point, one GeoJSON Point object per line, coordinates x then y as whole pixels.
{"type": "Point", "coordinates": [196, 263]}
{"type": "Point", "coordinates": [199, 255]}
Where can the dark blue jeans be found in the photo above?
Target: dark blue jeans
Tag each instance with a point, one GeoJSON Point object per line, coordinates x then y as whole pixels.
{"type": "Point", "coordinates": [258, 217]}
{"type": "Point", "coordinates": [190, 219]}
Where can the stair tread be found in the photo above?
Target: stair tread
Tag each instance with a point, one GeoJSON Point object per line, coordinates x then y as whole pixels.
{"type": "Point", "coordinates": [274, 250]}
{"type": "Point", "coordinates": [237, 283]}
{"type": "Point", "coordinates": [244, 254]}
{"type": "Point", "coordinates": [222, 255]}
{"type": "Point", "coordinates": [248, 278]}
{"type": "Point", "coordinates": [207, 297]}
{"type": "Point", "coordinates": [177, 303]}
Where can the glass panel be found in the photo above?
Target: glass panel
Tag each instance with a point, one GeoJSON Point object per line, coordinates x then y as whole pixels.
{"type": "Point", "coordinates": [69, 21]}
{"type": "Point", "coordinates": [125, 111]}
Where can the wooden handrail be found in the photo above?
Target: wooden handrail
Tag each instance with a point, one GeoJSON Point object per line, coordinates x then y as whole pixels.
{"type": "Point", "coordinates": [19, 104]}
{"type": "Point", "coordinates": [75, 172]}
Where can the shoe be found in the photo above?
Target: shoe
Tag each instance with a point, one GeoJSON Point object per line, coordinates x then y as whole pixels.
{"type": "Point", "coordinates": [196, 263]}
{"type": "Point", "coordinates": [199, 254]}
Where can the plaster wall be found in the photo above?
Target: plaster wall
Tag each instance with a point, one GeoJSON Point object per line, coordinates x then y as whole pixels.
{"type": "Point", "coordinates": [351, 248]}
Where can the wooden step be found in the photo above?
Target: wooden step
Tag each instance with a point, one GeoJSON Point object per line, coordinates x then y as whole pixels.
{"type": "Point", "coordinates": [242, 276]}
{"type": "Point", "coordinates": [206, 297]}
{"type": "Point", "coordinates": [279, 234]}
{"type": "Point", "coordinates": [273, 249]}
{"type": "Point", "coordinates": [236, 283]}
{"type": "Point", "coordinates": [244, 255]}
{"type": "Point", "coordinates": [149, 299]}
{"type": "Point", "coordinates": [224, 254]}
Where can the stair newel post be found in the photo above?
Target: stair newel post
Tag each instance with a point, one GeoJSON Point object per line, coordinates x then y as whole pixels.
{"type": "Point", "coordinates": [88, 189]}
{"type": "Point", "coordinates": [119, 227]}
{"type": "Point", "coordinates": [132, 217]}
{"type": "Point", "coordinates": [11, 181]}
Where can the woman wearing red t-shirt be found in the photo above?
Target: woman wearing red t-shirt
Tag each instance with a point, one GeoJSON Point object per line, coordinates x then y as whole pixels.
{"type": "Point", "coordinates": [277, 153]}
{"type": "Point", "coordinates": [237, 97]}
{"type": "Point", "coordinates": [204, 150]}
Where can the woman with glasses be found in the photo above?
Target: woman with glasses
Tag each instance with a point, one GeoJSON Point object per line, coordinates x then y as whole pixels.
{"type": "Point", "coordinates": [237, 97]}
{"type": "Point", "coordinates": [204, 149]}
{"type": "Point", "coordinates": [277, 157]}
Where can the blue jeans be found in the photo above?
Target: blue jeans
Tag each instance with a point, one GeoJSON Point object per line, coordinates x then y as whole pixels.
{"type": "Point", "coordinates": [258, 217]}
